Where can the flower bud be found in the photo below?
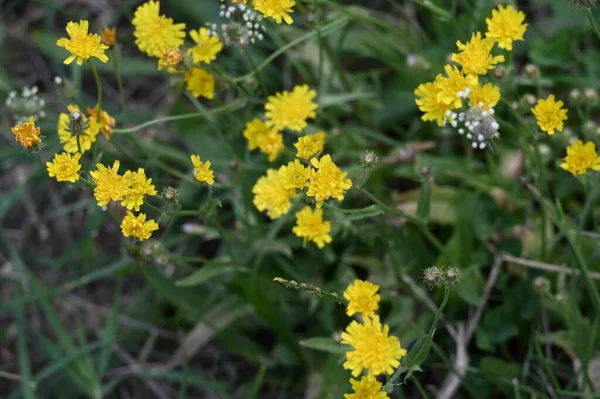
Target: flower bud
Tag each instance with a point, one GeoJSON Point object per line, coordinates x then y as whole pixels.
{"type": "Point", "coordinates": [369, 159]}
{"type": "Point", "coordinates": [575, 95]}
{"type": "Point", "coordinates": [170, 194]}
{"type": "Point", "coordinates": [77, 123]}
{"type": "Point", "coordinates": [541, 284]}
{"type": "Point", "coordinates": [451, 276]}
{"type": "Point", "coordinates": [499, 72]}
{"type": "Point", "coordinates": [532, 71]}
{"type": "Point", "coordinates": [432, 276]}
{"type": "Point", "coordinates": [590, 94]}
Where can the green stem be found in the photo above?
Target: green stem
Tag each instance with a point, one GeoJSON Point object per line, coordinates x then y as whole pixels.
{"type": "Point", "coordinates": [240, 103]}
{"type": "Point", "coordinates": [419, 387]}
{"type": "Point", "coordinates": [99, 87]}
{"type": "Point", "coordinates": [546, 366]}
{"type": "Point", "coordinates": [256, 72]}
{"type": "Point", "coordinates": [39, 157]}
{"type": "Point", "coordinates": [592, 22]}
{"type": "Point", "coordinates": [115, 58]}
{"type": "Point", "coordinates": [365, 178]}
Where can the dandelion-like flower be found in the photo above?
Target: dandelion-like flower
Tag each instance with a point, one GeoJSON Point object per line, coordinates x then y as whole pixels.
{"type": "Point", "coordinates": [374, 348]}
{"type": "Point", "coordinates": [271, 196]}
{"type": "Point", "coordinates": [71, 140]}
{"type": "Point", "coordinates": [485, 96]}
{"type": "Point", "coordinates": [202, 171]}
{"type": "Point", "coordinates": [506, 26]}
{"type": "Point", "coordinates": [581, 157]}
{"type": "Point", "coordinates": [109, 36]}
{"type": "Point", "coordinates": [138, 186]}
{"type": "Point", "coordinates": [82, 45]}
{"type": "Point", "coordinates": [549, 114]}
{"type": "Point", "coordinates": [362, 298]}
{"type": "Point", "coordinates": [291, 109]}
{"type": "Point", "coordinates": [200, 83]}
{"type": "Point", "coordinates": [138, 227]}
{"type": "Point", "coordinates": [207, 46]}
{"type": "Point", "coordinates": [155, 33]}
{"type": "Point", "coordinates": [254, 129]}
{"type": "Point", "coordinates": [294, 175]}
{"type": "Point", "coordinates": [366, 388]}
{"type": "Point", "coordinates": [268, 140]}
{"type": "Point", "coordinates": [310, 145]}
{"type": "Point", "coordinates": [453, 87]}
{"type": "Point", "coordinates": [474, 56]}
{"type": "Point", "coordinates": [106, 122]}
{"type": "Point", "coordinates": [433, 109]}
{"type": "Point", "coordinates": [311, 227]}
{"type": "Point", "coordinates": [328, 181]}
{"type": "Point", "coordinates": [64, 167]}
{"type": "Point", "coordinates": [110, 186]}
{"type": "Point", "coordinates": [27, 134]}
{"type": "Point", "coordinates": [276, 9]}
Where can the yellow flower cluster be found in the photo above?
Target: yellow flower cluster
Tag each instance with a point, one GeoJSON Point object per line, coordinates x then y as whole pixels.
{"type": "Point", "coordinates": [374, 349]}
{"type": "Point", "coordinates": [438, 100]}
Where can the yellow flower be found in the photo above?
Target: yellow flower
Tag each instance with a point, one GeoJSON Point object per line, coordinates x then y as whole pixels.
{"type": "Point", "coordinates": [475, 57]}
{"type": "Point", "coordinates": [109, 36]}
{"type": "Point", "coordinates": [373, 348]}
{"type": "Point", "coordinates": [202, 172]}
{"type": "Point", "coordinates": [253, 131]}
{"type": "Point", "coordinates": [27, 134]}
{"type": "Point", "coordinates": [207, 47]}
{"type": "Point", "coordinates": [367, 388]}
{"type": "Point", "coordinates": [291, 109]}
{"type": "Point", "coordinates": [82, 45]}
{"type": "Point", "coordinates": [110, 186]}
{"type": "Point", "coordinates": [199, 83]}
{"type": "Point", "coordinates": [311, 227]}
{"type": "Point", "coordinates": [154, 33]}
{"type": "Point", "coordinates": [268, 140]}
{"type": "Point", "coordinates": [549, 114]}
{"type": "Point", "coordinates": [310, 145]}
{"type": "Point", "coordinates": [432, 108]}
{"type": "Point", "coordinates": [328, 181]}
{"type": "Point", "coordinates": [271, 196]}
{"type": "Point", "coordinates": [276, 9]}
{"type": "Point", "coordinates": [452, 88]}
{"type": "Point", "coordinates": [64, 167]}
{"type": "Point", "coordinates": [363, 298]}
{"type": "Point", "coordinates": [169, 58]}
{"type": "Point", "coordinates": [138, 227]}
{"type": "Point", "coordinates": [71, 141]}
{"type": "Point", "coordinates": [106, 122]}
{"type": "Point", "coordinates": [138, 186]}
{"type": "Point", "coordinates": [580, 158]}
{"type": "Point", "coordinates": [294, 175]}
{"type": "Point", "coordinates": [506, 26]}
{"type": "Point", "coordinates": [484, 97]}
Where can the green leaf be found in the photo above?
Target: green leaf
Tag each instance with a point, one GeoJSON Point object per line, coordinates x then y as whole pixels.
{"type": "Point", "coordinates": [362, 213]}
{"type": "Point", "coordinates": [324, 344]}
{"type": "Point", "coordinates": [329, 100]}
{"type": "Point", "coordinates": [424, 204]}
{"type": "Point", "coordinates": [206, 273]}
{"type": "Point", "coordinates": [497, 367]}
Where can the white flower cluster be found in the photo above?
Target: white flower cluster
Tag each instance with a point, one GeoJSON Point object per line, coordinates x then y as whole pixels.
{"type": "Point", "coordinates": [25, 104]}
{"type": "Point", "coordinates": [477, 124]}
{"type": "Point", "coordinates": [244, 26]}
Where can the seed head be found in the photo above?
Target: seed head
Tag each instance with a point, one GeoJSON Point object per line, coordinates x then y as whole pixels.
{"type": "Point", "coordinates": [432, 276]}
{"type": "Point", "coordinates": [451, 276]}
{"type": "Point", "coordinates": [532, 71]}
{"type": "Point", "coordinates": [170, 194]}
{"type": "Point", "coordinates": [369, 159]}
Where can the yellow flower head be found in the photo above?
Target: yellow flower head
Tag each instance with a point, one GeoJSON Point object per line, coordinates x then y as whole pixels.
{"type": "Point", "coordinates": [367, 388]}
{"type": "Point", "coordinates": [475, 57]}
{"type": "Point", "coordinates": [27, 134]}
{"type": "Point", "coordinates": [291, 109]}
{"type": "Point", "coordinates": [271, 196]}
{"type": "Point", "coordinates": [328, 181]}
{"type": "Point", "coordinates": [72, 142]}
{"type": "Point", "coordinates": [294, 175]}
{"type": "Point", "coordinates": [580, 158]}
{"type": "Point", "coordinates": [506, 26]}
{"type": "Point", "coordinates": [433, 109]}
{"type": "Point", "coordinates": [270, 144]}
{"type": "Point", "coordinates": [207, 47]}
{"type": "Point", "coordinates": [310, 145]}
{"type": "Point", "coordinates": [276, 9]}
{"type": "Point", "coordinates": [549, 114]}
{"type": "Point", "coordinates": [64, 167]}
{"type": "Point", "coordinates": [110, 186]}
{"type": "Point", "coordinates": [106, 122]}
{"type": "Point", "coordinates": [202, 171]}
{"type": "Point", "coordinates": [452, 88]}
{"type": "Point", "coordinates": [170, 58]}
{"type": "Point", "coordinates": [82, 45]}
{"type": "Point", "coordinates": [154, 33]}
{"type": "Point", "coordinates": [109, 36]}
{"type": "Point", "coordinates": [138, 227]}
{"type": "Point", "coordinates": [138, 186]}
{"type": "Point", "coordinates": [363, 298]}
{"type": "Point", "coordinates": [253, 131]}
{"type": "Point", "coordinates": [485, 96]}
{"type": "Point", "coordinates": [199, 83]}
{"type": "Point", "coordinates": [311, 227]}
{"type": "Point", "coordinates": [374, 349]}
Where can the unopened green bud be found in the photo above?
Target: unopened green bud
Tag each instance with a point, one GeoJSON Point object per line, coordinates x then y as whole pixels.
{"type": "Point", "coordinates": [77, 123]}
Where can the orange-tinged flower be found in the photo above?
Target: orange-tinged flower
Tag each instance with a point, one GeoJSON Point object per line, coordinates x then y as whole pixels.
{"type": "Point", "coordinates": [109, 36]}
{"type": "Point", "coordinates": [105, 122]}
{"type": "Point", "coordinates": [27, 134]}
